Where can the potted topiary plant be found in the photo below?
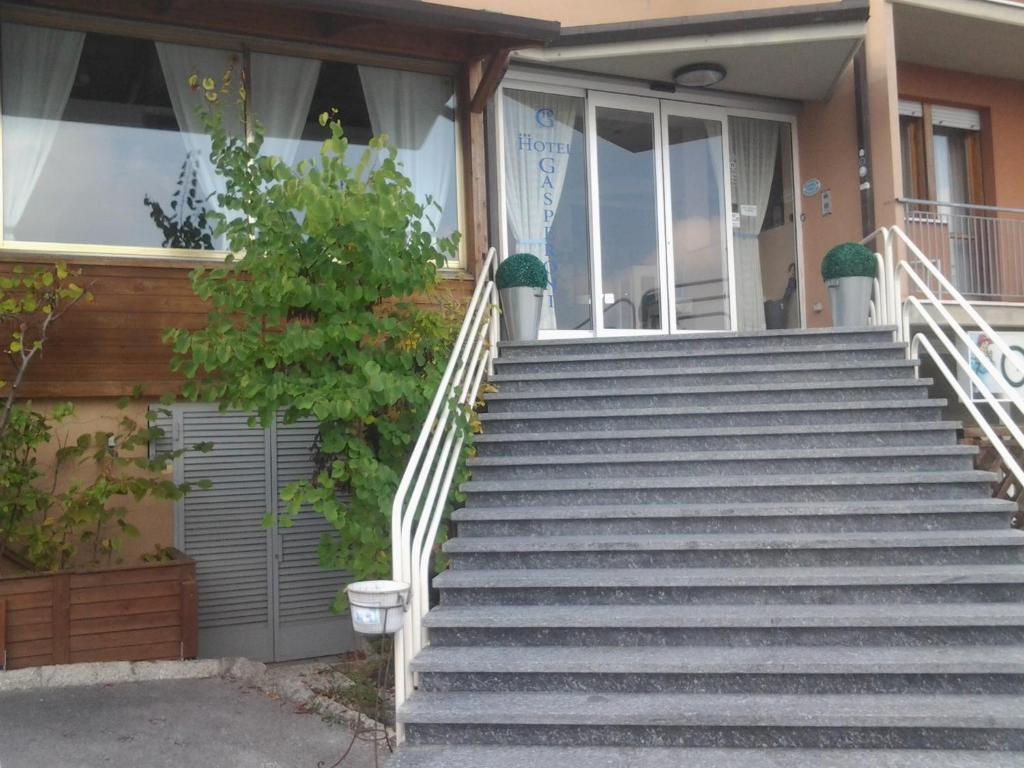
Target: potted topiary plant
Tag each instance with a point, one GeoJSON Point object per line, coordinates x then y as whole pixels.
{"type": "Point", "coordinates": [849, 272]}
{"type": "Point", "coordinates": [521, 280]}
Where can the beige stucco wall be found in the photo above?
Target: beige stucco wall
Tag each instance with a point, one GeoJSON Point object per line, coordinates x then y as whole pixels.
{"type": "Point", "coordinates": [153, 517]}
{"type": "Point", "coordinates": [828, 152]}
{"type": "Point", "coordinates": [584, 12]}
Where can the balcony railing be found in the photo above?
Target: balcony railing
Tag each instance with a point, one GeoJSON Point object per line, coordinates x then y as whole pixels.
{"type": "Point", "coordinates": [980, 247]}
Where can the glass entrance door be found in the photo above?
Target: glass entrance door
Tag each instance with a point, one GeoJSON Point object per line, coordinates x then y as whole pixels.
{"type": "Point", "coordinates": [653, 216]}
{"type": "Point", "coordinates": [697, 235]}
{"type": "Point", "coordinates": [626, 205]}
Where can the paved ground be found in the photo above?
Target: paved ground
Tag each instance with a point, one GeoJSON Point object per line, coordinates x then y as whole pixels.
{"type": "Point", "coordinates": [169, 724]}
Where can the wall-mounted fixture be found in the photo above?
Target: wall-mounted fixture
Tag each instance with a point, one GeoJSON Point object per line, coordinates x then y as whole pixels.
{"type": "Point", "coordinates": [699, 75]}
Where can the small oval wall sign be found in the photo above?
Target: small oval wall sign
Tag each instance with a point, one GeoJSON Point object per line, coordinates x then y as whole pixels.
{"type": "Point", "coordinates": [811, 187]}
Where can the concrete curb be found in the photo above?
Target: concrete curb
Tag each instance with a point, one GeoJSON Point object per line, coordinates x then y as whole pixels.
{"type": "Point", "coordinates": [112, 672]}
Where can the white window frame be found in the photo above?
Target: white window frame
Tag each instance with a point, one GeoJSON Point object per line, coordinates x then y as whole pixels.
{"type": "Point", "coordinates": [705, 103]}
{"type": "Point", "coordinates": [45, 251]}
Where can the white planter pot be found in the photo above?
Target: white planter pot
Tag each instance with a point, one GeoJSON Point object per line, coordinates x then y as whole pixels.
{"type": "Point", "coordinates": [377, 607]}
{"type": "Point", "coordinates": [849, 299]}
{"type": "Point", "coordinates": [521, 309]}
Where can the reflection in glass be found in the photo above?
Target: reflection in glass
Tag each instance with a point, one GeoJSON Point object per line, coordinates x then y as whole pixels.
{"type": "Point", "coordinates": [628, 200]}
{"type": "Point", "coordinates": [546, 193]}
{"type": "Point", "coordinates": [101, 143]}
{"type": "Point", "coordinates": [698, 205]}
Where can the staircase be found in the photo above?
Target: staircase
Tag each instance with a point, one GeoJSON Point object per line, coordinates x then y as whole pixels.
{"type": "Point", "coordinates": [722, 550]}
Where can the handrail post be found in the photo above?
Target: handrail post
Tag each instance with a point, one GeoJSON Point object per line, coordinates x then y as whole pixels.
{"type": "Point", "coordinates": [425, 486]}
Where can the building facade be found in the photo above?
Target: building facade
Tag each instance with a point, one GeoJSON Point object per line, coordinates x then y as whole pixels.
{"type": "Point", "coordinates": [680, 165]}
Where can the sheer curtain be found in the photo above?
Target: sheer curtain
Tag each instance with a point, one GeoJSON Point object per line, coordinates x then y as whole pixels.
{"type": "Point", "coordinates": [753, 145]}
{"type": "Point", "coordinates": [179, 63]}
{"type": "Point", "coordinates": [281, 93]}
{"type": "Point", "coordinates": [416, 111]}
{"type": "Point", "coordinates": [39, 67]}
{"type": "Point", "coordinates": [537, 126]}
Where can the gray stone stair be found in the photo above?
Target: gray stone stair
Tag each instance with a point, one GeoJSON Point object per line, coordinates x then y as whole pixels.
{"type": "Point", "coordinates": [493, 756]}
{"type": "Point", "coordinates": [757, 550]}
{"type": "Point", "coordinates": [632, 441]}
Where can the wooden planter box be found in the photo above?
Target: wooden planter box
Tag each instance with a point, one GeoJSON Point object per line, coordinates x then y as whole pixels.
{"type": "Point", "coordinates": [125, 613]}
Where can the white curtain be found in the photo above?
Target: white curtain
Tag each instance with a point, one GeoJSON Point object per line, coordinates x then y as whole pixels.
{"type": "Point", "coordinates": [753, 145]}
{"type": "Point", "coordinates": [416, 112]}
{"type": "Point", "coordinates": [281, 93]}
{"type": "Point", "coordinates": [39, 68]}
{"type": "Point", "coordinates": [539, 129]}
{"type": "Point", "coordinates": [179, 63]}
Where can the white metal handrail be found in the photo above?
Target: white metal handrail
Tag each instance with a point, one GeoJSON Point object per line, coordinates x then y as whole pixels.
{"type": "Point", "coordinates": [423, 491]}
{"type": "Point", "coordinates": [896, 279]}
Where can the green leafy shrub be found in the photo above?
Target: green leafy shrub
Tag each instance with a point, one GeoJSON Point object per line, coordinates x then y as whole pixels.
{"type": "Point", "coordinates": [522, 270]}
{"type": "Point", "coordinates": [47, 523]}
{"type": "Point", "coordinates": [848, 260]}
{"type": "Point", "coordinates": [315, 317]}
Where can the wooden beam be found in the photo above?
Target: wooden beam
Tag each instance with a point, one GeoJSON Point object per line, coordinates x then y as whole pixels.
{"type": "Point", "coordinates": [492, 75]}
{"type": "Point", "coordinates": [474, 168]}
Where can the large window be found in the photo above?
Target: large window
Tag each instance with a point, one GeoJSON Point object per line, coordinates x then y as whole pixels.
{"type": "Point", "coordinates": [941, 152]}
{"type": "Point", "coordinates": [101, 146]}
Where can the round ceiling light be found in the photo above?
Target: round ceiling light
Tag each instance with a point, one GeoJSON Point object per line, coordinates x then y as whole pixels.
{"type": "Point", "coordinates": [699, 75]}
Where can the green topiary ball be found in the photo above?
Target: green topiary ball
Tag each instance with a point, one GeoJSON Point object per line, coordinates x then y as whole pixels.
{"type": "Point", "coordinates": [848, 260]}
{"type": "Point", "coordinates": [522, 270]}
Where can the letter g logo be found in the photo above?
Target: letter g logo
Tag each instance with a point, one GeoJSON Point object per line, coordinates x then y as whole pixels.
{"type": "Point", "coordinates": [545, 117]}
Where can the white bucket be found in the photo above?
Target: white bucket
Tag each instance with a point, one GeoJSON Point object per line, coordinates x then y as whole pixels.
{"type": "Point", "coordinates": [377, 607]}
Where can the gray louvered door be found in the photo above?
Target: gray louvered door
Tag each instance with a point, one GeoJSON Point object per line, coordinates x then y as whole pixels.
{"type": "Point", "coordinates": [305, 591]}
{"type": "Point", "coordinates": [262, 593]}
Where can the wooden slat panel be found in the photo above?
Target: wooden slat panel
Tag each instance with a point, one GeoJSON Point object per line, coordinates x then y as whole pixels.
{"type": "Point", "coordinates": [3, 634]}
{"type": "Point", "coordinates": [24, 586]}
{"type": "Point", "coordinates": [105, 594]}
{"type": "Point", "coordinates": [61, 617]}
{"type": "Point", "coordinates": [17, 633]}
{"type": "Point", "coordinates": [31, 600]}
{"type": "Point", "coordinates": [17, 652]}
{"type": "Point", "coordinates": [121, 623]}
{"type": "Point", "coordinates": [29, 661]}
{"type": "Point", "coordinates": [28, 615]}
{"type": "Point", "coordinates": [189, 618]}
{"type": "Point", "coordinates": [148, 652]}
{"type": "Point", "coordinates": [125, 638]}
{"type": "Point", "coordinates": [152, 573]}
{"type": "Point", "coordinates": [125, 607]}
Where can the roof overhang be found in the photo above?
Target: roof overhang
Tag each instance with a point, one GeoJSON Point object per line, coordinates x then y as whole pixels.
{"type": "Point", "coordinates": [984, 37]}
{"type": "Point", "coordinates": [790, 53]}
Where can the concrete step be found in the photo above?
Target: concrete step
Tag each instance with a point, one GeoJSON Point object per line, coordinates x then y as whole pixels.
{"type": "Point", "coordinates": [494, 756]}
{"type": "Point", "coordinates": [776, 340]}
{"type": "Point", "coordinates": [657, 626]}
{"type": "Point", "coordinates": [630, 441]}
{"type": "Point", "coordinates": [787, 550]}
{"type": "Point", "coordinates": [871, 486]}
{"type": "Point", "coordinates": [821, 414]}
{"type": "Point", "coordinates": [713, 670]}
{"type": "Point", "coordinates": [781, 461]}
{"type": "Point", "coordinates": [674, 396]}
{"type": "Point", "coordinates": [681, 357]}
{"type": "Point", "coordinates": [717, 720]}
{"type": "Point", "coordinates": [748, 517]}
{"type": "Point", "coordinates": [733, 586]}
{"type": "Point", "coordinates": [768, 374]}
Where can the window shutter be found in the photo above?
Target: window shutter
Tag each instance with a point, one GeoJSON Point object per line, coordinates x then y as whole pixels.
{"type": "Point", "coordinates": [954, 117]}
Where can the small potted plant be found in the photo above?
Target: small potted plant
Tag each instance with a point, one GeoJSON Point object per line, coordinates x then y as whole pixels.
{"type": "Point", "coordinates": [521, 280]}
{"type": "Point", "coordinates": [849, 272]}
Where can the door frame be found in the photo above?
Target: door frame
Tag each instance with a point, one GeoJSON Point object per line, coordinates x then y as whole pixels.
{"type": "Point", "coordinates": [529, 78]}
{"type": "Point", "coordinates": [646, 105]}
{"type": "Point", "coordinates": [720, 115]}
